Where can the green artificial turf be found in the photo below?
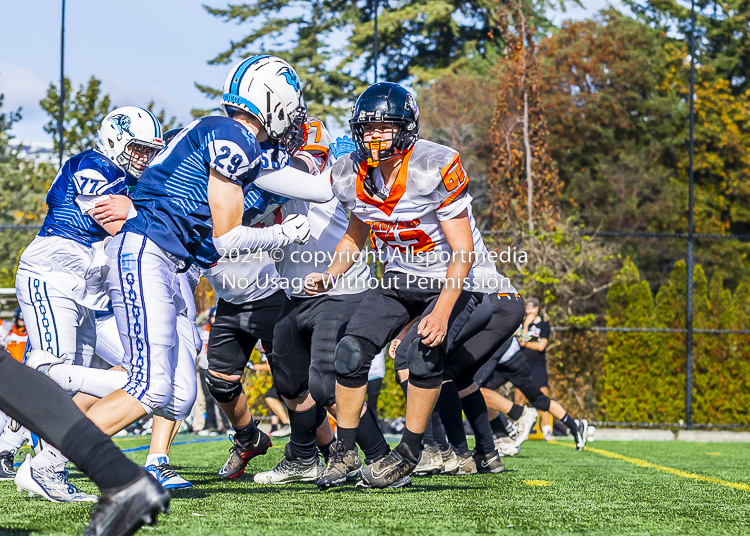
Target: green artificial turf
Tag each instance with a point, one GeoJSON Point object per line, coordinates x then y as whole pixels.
{"type": "Point", "coordinates": [546, 489]}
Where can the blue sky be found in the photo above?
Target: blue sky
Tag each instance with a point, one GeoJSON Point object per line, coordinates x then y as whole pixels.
{"type": "Point", "coordinates": [141, 50]}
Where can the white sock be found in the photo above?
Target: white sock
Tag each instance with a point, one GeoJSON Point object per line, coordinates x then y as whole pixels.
{"type": "Point", "coordinates": [11, 441]}
{"type": "Point", "coordinates": [547, 428]}
{"type": "Point", "coordinates": [156, 459]}
{"type": "Point", "coordinates": [49, 457]}
{"type": "Point", "coordinates": [95, 382]}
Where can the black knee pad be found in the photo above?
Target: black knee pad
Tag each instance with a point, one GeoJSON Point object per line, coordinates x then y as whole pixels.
{"type": "Point", "coordinates": [222, 390]}
{"type": "Point", "coordinates": [423, 361]}
{"type": "Point", "coordinates": [348, 357]}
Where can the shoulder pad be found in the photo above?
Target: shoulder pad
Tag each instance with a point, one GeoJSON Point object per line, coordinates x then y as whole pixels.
{"type": "Point", "coordinates": [435, 174]}
{"type": "Point", "coordinates": [344, 180]}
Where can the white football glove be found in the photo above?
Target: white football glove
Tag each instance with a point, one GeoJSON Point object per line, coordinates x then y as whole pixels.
{"type": "Point", "coordinates": [296, 228]}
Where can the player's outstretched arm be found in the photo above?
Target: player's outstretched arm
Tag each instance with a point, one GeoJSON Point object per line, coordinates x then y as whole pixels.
{"type": "Point", "coordinates": [226, 202]}
{"type": "Point", "coordinates": [296, 184]}
{"type": "Point", "coordinates": [345, 254]}
{"type": "Point", "coordinates": [434, 326]}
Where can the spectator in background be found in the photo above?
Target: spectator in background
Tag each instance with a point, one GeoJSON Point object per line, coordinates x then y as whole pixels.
{"type": "Point", "coordinates": [15, 340]}
{"type": "Point", "coordinates": [534, 339]}
{"type": "Point", "coordinates": [211, 423]}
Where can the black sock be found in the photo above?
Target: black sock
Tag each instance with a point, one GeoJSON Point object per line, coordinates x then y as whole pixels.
{"type": "Point", "coordinates": [515, 412]}
{"type": "Point", "coordinates": [475, 410]}
{"type": "Point", "coordinates": [369, 437]}
{"type": "Point", "coordinates": [414, 442]}
{"type": "Point", "coordinates": [325, 450]}
{"type": "Point", "coordinates": [98, 457]}
{"type": "Point", "coordinates": [449, 404]}
{"type": "Point", "coordinates": [498, 427]}
{"type": "Point", "coordinates": [570, 422]}
{"type": "Point", "coordinates": [348, 436]}
{"type": "Point", "coordinates": [246, 434]}
{"type": "Point", "coordinates": [438, 432]}
{"type": "Point", "coordinates": [302, 439]}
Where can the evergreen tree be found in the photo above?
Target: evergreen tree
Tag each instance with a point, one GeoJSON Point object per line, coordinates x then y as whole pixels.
{"type": "Point", "coordinates": [299, 32]}
{"type": "Point", "coordinates": [82, 115]}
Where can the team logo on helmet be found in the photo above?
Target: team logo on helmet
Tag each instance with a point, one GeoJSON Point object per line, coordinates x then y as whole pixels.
{"type": "Point", "coordinates": [122, 122]}
{"type": "Point", "coordinates": [411, 102]}
{"type": "Point", "coordinates": [291, 78]}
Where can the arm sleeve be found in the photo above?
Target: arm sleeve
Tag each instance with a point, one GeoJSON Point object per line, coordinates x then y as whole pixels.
{"type": "Point", "coordinates": [296, 184]}
{"type": "Point", "coordinates": [251, 238]}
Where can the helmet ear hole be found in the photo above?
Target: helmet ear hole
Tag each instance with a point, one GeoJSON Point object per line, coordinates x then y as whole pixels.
{"type": "Point", "coordinates": [111, 144]}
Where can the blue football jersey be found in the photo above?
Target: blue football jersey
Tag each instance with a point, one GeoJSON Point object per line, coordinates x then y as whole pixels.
{"type": "Point", "coordinates": [88, 174]}
{"type": "Point", "coordinates": [171, 196]}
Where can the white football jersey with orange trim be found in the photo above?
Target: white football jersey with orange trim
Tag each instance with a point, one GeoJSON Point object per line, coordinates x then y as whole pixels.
{"type": "Point", "coordinates": [431, 187]}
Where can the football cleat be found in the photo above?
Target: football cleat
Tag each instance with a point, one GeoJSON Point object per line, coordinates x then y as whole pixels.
{"type": "Point", "coordinates": [450, 460]}
{"type": "Point", "coordinates": [166, 476]}
{"type": "Point", "coordinates": [342, 465]}
{"type": "Point", "coordinates": [6, 465]}
{"type": "Point", "coordinates": [284, 431]}
{"type": "Point", "coordinates": [581, 434]}
{"type": "Point", "coordinates": [240, 455]}
{"type": "Point", "coordinates": [488, 463]}
{"type": "Point", "coordinates": [292, 469]}
{"type": "Point", "coordinates": [511, 428]}
{"type": "Point", "coordinates": [506, 446]}
{"type": "Point", "coordinates": [466, 465]}
{"type": "Point", "coordinates": [42, 361]}
{"type": "Point", "coordinates": [390, 472]}
{"type": "Point", "coordinates": [48, 484]}
{"type": "Point", "coordinates": [525, 424]}
{"type": "Point", "coordinates": [430, 461]}
{"type": "Point", "coordinates": [123, 512]}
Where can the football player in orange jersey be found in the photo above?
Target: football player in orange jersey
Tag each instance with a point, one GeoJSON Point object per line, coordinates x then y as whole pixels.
{"type": "Point", "coordinates": [412, 194]}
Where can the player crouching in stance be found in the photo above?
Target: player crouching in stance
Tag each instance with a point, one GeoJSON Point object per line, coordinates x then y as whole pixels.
{"type": "Point", "coordinates": [412, 195]}
{"type": "Point", "coordinates": [190, 204]}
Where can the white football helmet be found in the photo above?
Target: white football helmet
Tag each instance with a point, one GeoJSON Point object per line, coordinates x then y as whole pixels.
{"type": "Point", "coordinates": [268, 88]}
{"type": "Point", "coordinates": [130, 136]}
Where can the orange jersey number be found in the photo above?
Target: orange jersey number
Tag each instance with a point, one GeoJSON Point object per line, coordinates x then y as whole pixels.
{"type": "Point", "coordinates": [406, 240]}
{"type": "Point", "coordinates": [454, 175]}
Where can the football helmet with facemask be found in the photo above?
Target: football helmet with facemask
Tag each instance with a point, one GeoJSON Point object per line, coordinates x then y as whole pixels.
{"type": "Point", "coordinates": [131, 137]}
{"type": "Point", "coordinates": [385, 102]}
{"type": "Point", "coordinates": [269, 89]}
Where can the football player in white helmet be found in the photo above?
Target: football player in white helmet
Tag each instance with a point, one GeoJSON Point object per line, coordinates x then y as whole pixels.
{"type": "Point", "coordinates": [131, 137]}
{"type": "Point", "coordinates": [58, 282]}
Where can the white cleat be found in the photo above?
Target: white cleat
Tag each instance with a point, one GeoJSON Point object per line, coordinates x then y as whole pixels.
{"type": "Point", "coordinates": [581, 434]}
{"type": "Point", "coordinates": [430, 461]}
{"type": "Point", "coordinates": [506, 446]}
{"type": "Point", "coordinates": [525, 424]}
{"type": "Point", "coordinates": [42, 361]}
{"type": "Point", "coordinates": [48, 484]}
{"type": "Point", "coordinates": [291, 469]}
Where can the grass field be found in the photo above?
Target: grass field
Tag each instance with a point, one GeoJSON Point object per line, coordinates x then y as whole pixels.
{"type": "Point", "coordinates": [612, 488]}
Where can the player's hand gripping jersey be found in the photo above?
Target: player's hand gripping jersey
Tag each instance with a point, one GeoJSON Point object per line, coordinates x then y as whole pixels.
{"type": "Point", "coordinates": [171, 196]}
{"type": "Point", "coordinates": [431, 187]}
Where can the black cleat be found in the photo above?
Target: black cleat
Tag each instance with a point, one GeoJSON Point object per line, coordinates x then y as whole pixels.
{"type": "Point", "coordinates": [489, 463]}
{"type": "Point", "coordinates": [342, 465]}
{"type": "Point", "coordinates": [391, 472]}
{"type": "Point", "coordinates": [581, 434]}
{"type": "Point", "coordinates": [6, 465]}
{"type": "Point", "coordinates": [127, 510]}
{"type": "Point", "coordinates": [240, 455]}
